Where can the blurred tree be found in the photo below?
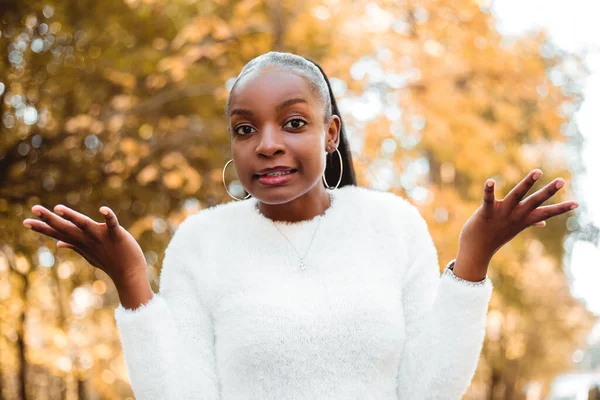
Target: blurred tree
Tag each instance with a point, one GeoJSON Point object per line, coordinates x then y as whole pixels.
{"type": "Point", "coordinates": [461, 104]}
{"type": "Point", "coordinates": [121, 103]}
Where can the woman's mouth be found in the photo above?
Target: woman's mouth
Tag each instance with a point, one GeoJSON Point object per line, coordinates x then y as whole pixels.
{"type": "Point", "coordinates": [276, 177]}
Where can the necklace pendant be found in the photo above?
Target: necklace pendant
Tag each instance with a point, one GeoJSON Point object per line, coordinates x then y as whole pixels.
{"type": "Point", "coordinates": [302, 265]}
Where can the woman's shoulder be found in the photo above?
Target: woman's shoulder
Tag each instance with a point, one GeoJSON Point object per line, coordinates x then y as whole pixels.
{"type": "Point", "coordinates": [209, 219]}
{"type": "Point", "coordinates": [376, 202]}
{"type": "Point", "coordinates": [392, 215]}
{"type": "Point", "coordinates": [217, 215]}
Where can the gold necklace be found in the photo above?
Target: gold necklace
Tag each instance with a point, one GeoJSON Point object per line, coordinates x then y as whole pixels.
{"type": "Point", "coordinates": [302, 258]}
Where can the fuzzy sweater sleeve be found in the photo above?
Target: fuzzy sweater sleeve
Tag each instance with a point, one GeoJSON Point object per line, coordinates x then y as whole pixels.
{"type": "Point", "coordinates": [445, 323]}
{"type": "Point", "coordinates": [168, 342]}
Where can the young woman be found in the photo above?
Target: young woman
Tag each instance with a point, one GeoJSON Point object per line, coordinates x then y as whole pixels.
{"type": "Point", "coordinates": [310, 287]}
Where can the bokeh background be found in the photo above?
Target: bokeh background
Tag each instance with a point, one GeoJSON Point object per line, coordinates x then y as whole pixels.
{"type": "Point", "coordinates": [120, 103]}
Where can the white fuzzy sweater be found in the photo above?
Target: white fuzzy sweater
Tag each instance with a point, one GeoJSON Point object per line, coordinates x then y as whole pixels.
{"type": "Point", "coordinates": [369, 318]}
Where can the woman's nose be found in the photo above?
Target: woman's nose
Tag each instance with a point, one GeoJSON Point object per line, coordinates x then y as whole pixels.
{"type": "Point", "coordinates": [271, 142]}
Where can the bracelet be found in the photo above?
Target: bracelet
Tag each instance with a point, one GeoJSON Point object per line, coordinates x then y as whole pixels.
{"type": "Point", "coordinates": [449, 270]}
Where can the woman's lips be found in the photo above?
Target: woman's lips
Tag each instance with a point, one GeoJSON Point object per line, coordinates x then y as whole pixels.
{"type": "Point", "coordinates": [277, 179]}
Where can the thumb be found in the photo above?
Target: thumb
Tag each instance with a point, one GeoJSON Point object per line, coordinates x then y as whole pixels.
{"type": "Point", "coordinates": [112, 222]}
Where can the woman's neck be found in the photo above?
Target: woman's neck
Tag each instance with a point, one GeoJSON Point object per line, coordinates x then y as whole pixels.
{"type": "Point", "coordinates": [303, 208]}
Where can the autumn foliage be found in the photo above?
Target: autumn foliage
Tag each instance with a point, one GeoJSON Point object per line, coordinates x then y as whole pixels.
{"type": "Point", "coordinates": [121, 103]}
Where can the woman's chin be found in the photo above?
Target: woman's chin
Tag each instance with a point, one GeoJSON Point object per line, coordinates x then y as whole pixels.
{"type": "Point", "coordinates": [279, 195]}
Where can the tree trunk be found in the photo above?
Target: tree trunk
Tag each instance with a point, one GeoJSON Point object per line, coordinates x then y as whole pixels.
{"type": "Point", "coordinates": [21, 344]}
{"type": "Point", "coordinates": [494, 381]}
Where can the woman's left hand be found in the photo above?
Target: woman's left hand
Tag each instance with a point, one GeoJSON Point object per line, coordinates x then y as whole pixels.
{"type": "Point", "coordinates": [496, 222]}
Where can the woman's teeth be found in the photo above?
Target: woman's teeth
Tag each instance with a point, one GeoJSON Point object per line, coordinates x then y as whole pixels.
{"type": "Point", "coordinates": [278, 173]}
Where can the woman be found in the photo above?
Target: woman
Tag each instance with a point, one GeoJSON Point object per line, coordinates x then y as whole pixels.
{"type": "Point", "coordinates": [302, 291]}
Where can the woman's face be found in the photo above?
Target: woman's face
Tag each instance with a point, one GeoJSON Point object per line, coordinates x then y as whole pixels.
{"type": "Point", "coordinates": [278, 135]}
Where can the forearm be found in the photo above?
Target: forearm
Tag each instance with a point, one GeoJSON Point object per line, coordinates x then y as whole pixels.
{"type": "Point", "coordinates": [460, 319]}
{"type": "Point", "coordinates": [441, 356]}
{"type": "Point", "coordinates": [177, 328]}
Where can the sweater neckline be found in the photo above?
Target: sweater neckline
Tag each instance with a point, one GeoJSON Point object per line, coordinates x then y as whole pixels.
{"type": "Point", "coordinates": [298, 224]}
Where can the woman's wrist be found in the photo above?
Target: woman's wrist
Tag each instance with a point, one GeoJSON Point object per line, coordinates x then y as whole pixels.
{"type": "Point", "coordinates": [471, 266]}
{"type": "Point", "coordinates": [134, 291]}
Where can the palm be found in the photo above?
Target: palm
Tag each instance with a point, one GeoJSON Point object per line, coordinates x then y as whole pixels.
{"type": "Point", "coordinates": [121, 251]}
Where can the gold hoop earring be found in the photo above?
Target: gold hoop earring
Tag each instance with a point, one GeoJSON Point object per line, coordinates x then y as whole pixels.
{"type": "Point", "coordinates": [225, 185]}
{"type": "Point", "coordinates": [341, 172]}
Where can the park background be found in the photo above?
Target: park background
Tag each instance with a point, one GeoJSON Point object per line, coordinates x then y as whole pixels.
{"type": "Point", "coordinates": [120, 103]}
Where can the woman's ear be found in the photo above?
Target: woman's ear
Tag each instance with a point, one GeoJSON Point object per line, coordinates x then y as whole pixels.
{"type": "Point", "coordinates": [333, 132]}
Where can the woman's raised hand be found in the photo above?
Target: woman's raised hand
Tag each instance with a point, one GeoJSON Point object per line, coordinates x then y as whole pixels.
{"type": "Point", "coordinates": [107, 246]}
{"type": "Point", "coordinates": [496, 222]}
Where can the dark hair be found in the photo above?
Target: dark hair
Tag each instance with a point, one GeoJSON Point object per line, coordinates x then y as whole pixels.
{"type": "Point", "coordinates": [306, 69]}
{"type": "Point", "coordinates": [332, 170]}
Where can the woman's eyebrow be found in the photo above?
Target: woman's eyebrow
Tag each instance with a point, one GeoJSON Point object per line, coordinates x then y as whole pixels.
{"type": "Point", "coordinates": [289, 103]}
{"type": "Point", "coordinates": [280, 106]}
{"type": "Point", "coordinates": [241, 111]}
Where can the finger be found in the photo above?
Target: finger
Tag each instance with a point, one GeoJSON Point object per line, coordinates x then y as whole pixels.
{"type": "Point", "coordinates": [112, 221]}
{"type": "Point", "coordinates": [89, 259]}
{"type": "Point", "coordinates": [538, 198]}
{"type": "Point", "coordinates": [546, 212]}
{"type": "Point", "coordinates": [520, 190]}
{"type": "Point", "coordinates": [541, 223]}
{"type": "Point", "coordinates": [45, 229]}
{"type": "Point", "coordinates": [83, 222]}
{"type": "Point", "coordinates": [55, 222]}
{"type": "Point", "coordinates": [489, 199]}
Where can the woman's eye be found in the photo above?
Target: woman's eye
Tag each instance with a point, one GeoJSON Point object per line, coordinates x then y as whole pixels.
{"type": "Point", "coordinates": [295, 123]}
{"type": "Point", "coordinates": [243, 130]}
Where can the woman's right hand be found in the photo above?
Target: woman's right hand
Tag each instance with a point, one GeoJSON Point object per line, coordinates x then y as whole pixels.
{"type": "Point", "coordinates": [107, 246]}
